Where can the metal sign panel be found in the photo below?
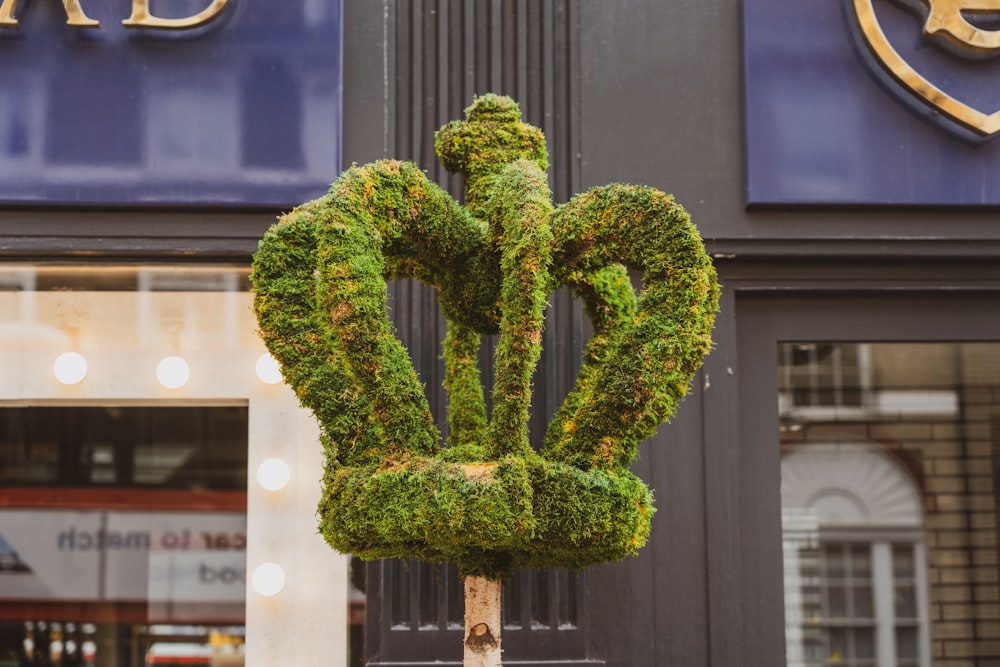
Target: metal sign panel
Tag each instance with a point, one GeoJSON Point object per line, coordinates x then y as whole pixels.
{"type": "Point", "coordinates": [216, 103]}
{"type": "Point", "coordinates": [872, 102]}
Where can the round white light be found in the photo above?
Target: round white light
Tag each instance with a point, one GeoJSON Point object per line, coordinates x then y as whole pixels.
{"type": "Point", "coordinates": [268, 369]}
{"type": "Point", "coordinates": [273, 474]}
{"type": "Point", "coordinates": [173, 372]}
{"type": "Point", "coordinates": [268, 579]}
{"type": "Point", "coordinates": [70, 368]}
{"type": "Point", "coordinates": [89, 648]}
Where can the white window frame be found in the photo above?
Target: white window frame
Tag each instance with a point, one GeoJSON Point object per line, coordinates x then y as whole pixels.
{"type": "Point", "coordinates": [836, 492]}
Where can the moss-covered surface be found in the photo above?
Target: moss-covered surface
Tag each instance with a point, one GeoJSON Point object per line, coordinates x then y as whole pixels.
{"type": "Point", "coordinates": [484, 500]}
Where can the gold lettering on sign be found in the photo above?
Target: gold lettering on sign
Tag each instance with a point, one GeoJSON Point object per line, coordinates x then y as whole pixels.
{"type": "Point", "coordinates": [141, 18]}
{"type": "Point", "coordinates": [945, 19]}
{"type": "Point", "coordinates": [74, 15]}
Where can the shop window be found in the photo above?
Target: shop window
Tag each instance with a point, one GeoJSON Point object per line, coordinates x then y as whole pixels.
{"type": "Point", "coordinates": [140, 425]}
{"type": "Point", "coordinates": [123, 531]}
{"type": "Point", "coordinates": [889, 508]}
{"type": "Point", "coordinates": [124, 446]}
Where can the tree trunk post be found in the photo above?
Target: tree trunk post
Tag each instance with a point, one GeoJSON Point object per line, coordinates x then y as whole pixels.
{"type": "Point", "coordinates": [482, 622]}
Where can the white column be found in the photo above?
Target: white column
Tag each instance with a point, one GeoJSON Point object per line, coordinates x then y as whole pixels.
{"type": "Point", "coordinates": [306, 623]}
{"type": "Point", "coordinates": [885, 612]}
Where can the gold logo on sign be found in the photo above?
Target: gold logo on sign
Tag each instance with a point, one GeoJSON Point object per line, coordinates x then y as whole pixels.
{"type": "Point", "coordinates": [946, 20]}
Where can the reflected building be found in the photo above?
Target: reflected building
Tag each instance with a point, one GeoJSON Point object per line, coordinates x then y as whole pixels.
{"type": "Point", "coordinates": [889, 502]}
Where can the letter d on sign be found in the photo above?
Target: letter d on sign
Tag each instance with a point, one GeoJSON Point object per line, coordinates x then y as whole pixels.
{"type": "Point", "coordinates": [141, 18]}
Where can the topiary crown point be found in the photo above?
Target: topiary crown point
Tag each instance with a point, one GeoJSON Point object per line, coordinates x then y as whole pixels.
{"type": "Point", "coordinates": [484, 499]}
{"type": "Point", "coordinates": [491, 137]}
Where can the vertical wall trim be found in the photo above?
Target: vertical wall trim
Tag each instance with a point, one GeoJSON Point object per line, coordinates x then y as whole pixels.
{"type": "Point", "coordinates": [389, 74]}
{"type": "Point", "coordinates": [440, 54]}
{"type": "Point", "coordinates": [720, 376]}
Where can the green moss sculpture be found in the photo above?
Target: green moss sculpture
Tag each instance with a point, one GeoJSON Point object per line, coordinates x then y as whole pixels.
{"type": "Point", "coordinates": [485, 499]}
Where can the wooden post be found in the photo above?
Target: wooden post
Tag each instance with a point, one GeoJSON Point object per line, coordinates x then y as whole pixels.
{"type": "Point", "coordinates": [482, 622]}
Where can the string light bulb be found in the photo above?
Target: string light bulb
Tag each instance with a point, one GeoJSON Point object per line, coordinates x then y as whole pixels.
{"type": "Point", "coordinates": [273, 474]}
{"type": "Point", "coordinates": [70, 368]}
{"type": "Point", "coordinates": [268, 369]}
{"type": "Point", "coordinates": [173, 372]}
{"type": "Point", "coordinates": [268, 579]}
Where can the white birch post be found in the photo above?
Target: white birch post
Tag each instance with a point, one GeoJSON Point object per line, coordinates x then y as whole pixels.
{"type": "Point", "coordinates": [482, 622]}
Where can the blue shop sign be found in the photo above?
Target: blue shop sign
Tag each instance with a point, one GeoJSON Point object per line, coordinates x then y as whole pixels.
{"type": "Point", "coordinates": [190, 102]}
{"type": "Point", "coordinates": [872, 102]}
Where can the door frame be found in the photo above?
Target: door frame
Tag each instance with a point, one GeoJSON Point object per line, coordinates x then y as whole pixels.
{"type": "Point", "coordinates": [765, 303]}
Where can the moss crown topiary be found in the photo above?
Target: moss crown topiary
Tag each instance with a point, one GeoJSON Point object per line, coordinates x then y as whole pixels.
{"type": "Point", "coordinates": [484, 500]}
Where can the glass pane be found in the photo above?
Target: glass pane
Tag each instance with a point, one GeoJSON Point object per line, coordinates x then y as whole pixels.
{"type": "Point", "coordinates": [838, 645]}
{"type": "Point", "coordinates": [104, 564]}
{"type": "Point", "coordinates": [836, 567]}
{"type": "Point", "coordinates": [861, 561]}
{"type": "Point", "coordinates": [162, 447]}
{"type": "Point", "coordinates": [890, 460]}
{"type": "Point", "coordinates": [906, 602]}
{"type": "Point", "coordinates": [902, 561]}
{"type": "Point", "coordinates": [837, 602]}
{"type": "Point", "coordinates": [864, 643]}
{"type": "Point", "coordinates": [906, 643]}
{"type": "Point", "coordinates": [864, 606]}
{"type": "Point", "coordinates": [123, 520]}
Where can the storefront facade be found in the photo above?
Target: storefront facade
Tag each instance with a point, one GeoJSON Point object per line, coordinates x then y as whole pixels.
{"type": "Point", "coordinates": [826, 492]}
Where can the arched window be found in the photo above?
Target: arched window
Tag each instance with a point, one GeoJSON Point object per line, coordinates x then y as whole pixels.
{"type": "Point", "coordinates": [855, 560]}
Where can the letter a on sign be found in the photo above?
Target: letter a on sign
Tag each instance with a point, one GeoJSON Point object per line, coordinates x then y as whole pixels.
{"type": "Point", "coordinates": [74, 15]}
{"type": "Point", "coordinates": [141, 18]}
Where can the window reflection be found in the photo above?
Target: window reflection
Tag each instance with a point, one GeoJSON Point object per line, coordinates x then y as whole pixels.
{"type": "Point", "coordinates": [889, 505]}
{"type": "Point", "coordinates": [74, 133]}
{"type": "Point", "coordinates": [166, 447]}
{"type": "Point", "coordinates": [190, 128]}
{"type": "Point", "coordinates": [123, 530]}
{"type": "Point", "coordinates": [14, 126]}
{"type": "Point", "coordinates": [271, 90]}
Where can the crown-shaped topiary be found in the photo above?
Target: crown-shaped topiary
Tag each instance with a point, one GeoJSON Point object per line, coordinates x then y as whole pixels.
{"type": "Point", "coordinates": [484, 500]}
